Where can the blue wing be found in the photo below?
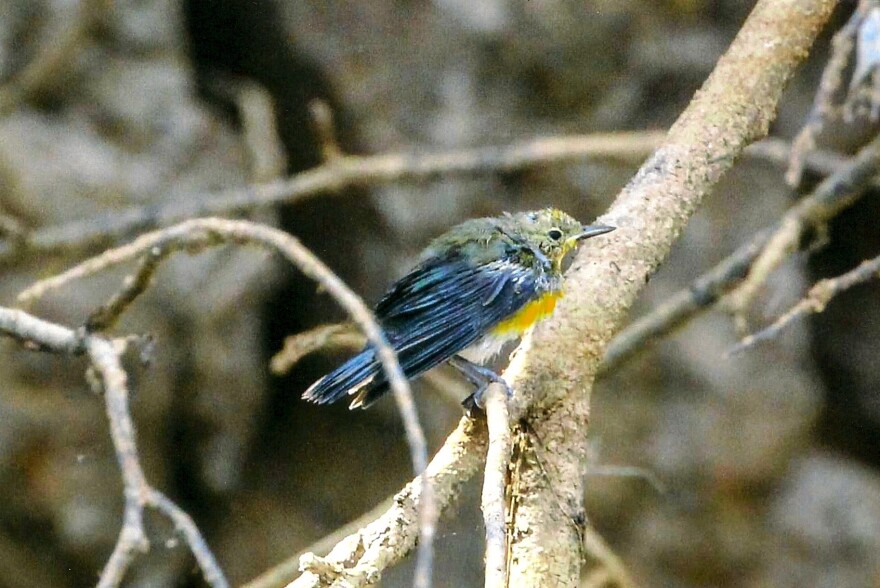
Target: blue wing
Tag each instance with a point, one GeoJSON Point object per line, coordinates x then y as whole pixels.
{"type": "Point", "coordinates": [440, 308]}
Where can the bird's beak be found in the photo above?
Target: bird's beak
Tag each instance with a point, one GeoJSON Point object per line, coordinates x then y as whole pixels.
{"type": "Point", "coordinates": [593, 231]}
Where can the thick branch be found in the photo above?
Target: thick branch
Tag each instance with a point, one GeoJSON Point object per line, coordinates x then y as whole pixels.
{"type": "Point", "coordinates": [734, 107]}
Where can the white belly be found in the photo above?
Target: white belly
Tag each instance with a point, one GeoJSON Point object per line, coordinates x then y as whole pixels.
{"type": "Point", "coordinates": [487, 348]}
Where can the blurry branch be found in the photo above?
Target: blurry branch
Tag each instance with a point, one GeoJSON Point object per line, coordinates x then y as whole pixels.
{"type": "Point", "coordinates": [815, 301]}
{"type": "Point", "coordinates": [11, 228]}
{"type": "Point", "coordinates": [195, 235]}
{"type": "Point", "coordinates": [833, 195]}
{"type": "Point", "coordinates": [611, 570]}
{"type": "Point", "coordinates": [333, 176]}
{"type": "Point", "coordinates": [495, 485]}
{"type": "Point", "coordinates": [56, 54]}
{"type": "Point", "coordinates": [258, 122]}
{"type": "Point", "coordinates": [825, 108]}
{"type": "Point", "coordinates": [323, 337]}
{"type": "Point", "coordinates": [256, 111]}
{"type": "Point", "coordinates": [322, 121]}
{"type": "Point", "coordinates": [622, 471]}
{"type": "Point", "coordinates": [343, 171]}
{"type": "Point", "coordinates": [553, 369]}
{"type": "Point", "coordinates": [108, 377]}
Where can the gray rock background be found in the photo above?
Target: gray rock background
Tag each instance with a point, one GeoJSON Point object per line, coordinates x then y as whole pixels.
{"type": "Point", "coordinates": [769, 459]}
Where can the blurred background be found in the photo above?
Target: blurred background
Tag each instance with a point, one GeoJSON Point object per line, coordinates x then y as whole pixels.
{"type": "Point", "coordinates": [768, 460]}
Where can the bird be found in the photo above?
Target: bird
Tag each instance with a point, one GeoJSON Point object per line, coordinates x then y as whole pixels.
{"type": "Point", "coordinates": [483, 283]}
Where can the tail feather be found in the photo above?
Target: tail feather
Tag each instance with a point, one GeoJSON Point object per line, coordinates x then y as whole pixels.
{"type": "Point", "coordinates": [354, 375]}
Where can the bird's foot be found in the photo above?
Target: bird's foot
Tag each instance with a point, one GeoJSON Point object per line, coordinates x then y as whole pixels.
{"type": "Point", "coordinates": [482, 378]}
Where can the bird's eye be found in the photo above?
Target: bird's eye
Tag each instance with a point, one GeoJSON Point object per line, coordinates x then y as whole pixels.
{"type": "Point", "coordinates": [554, 234]}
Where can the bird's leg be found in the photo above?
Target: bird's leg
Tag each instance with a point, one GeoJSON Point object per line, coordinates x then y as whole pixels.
{"type": "Point", "coordinates": [480, 377]}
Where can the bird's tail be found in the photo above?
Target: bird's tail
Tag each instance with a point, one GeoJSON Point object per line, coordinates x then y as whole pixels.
{"type": "Point", "coordinates": [361, 375]}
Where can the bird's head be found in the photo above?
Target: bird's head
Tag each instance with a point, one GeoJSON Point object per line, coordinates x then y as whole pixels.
{"type": "Point", "coordinates": [552, 231]}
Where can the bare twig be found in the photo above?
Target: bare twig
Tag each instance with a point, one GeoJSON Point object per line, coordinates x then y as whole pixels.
{"type": "Point", "coordinates": [834, 194]}
{"type": "Point", "coordinates": [346, 171]}
{"type": "Point", "coordinates": [339, 335]}
{"type": "Point", "coordinates": [333, 177]}
{"type": "Point", "coordinates": [111, 380]}
{"type": "Point", "coordinates": [612, 570]}
{"type": "Point", "coordinates": [815, 301]}
{"type": "Point", "coordinates": [495, 484]}
{"type": "Point", "coordinates": [200, 233]}
{"type": "Point", "coordinates": [824, 107]}
{"type": "Point", "coordinates": [134, 285]}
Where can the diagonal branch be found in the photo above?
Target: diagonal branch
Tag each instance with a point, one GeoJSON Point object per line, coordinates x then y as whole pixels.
{"type": "Point", "coordinates": [109, 378]}
{"type": "Point", "coordinates": [733, 108]}
{"type": "Point", "coordinates": [197, 234]}
{"type": "Point", "coordinates": [815, 301]}
{"type": "Point", "coordinates": [553, 373]}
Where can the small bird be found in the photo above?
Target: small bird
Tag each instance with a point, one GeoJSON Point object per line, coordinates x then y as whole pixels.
{"type": "Point", "coordinates": [481, 284]}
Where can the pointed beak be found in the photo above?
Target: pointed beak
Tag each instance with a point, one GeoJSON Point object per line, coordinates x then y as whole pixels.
{"type": "Point", "coordinates": [593, 231]}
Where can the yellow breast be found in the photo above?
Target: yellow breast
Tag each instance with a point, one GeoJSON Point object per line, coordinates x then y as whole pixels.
{"type": "Point", "coordinates": [528, 315]}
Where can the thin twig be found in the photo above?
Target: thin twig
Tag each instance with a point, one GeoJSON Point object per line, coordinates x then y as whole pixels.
{"type": "Point", "coordinates": [348, 170]}
{"type": "Point", "coordinates": [617, 574]}
{"type": "Point", "coordinates": [134, 285]}
{"type": "Point", "coordinates": [323, 337]}
{"type": "Point", "coordinates": [834, 194]}
{"type": "Point", "coordinates": [200, 233]}
{"type": "Point", "coordinates": [824, 107]}
{"type": "Point", "coordinates": [111, 380]}
{"type": "Point", "coordinates": [333, 177]}
{"type": "Point", "coordinates": [495, 485]}
{"type": "Point", "coordinates": [684, 305]}
{"type": "Point", "coordinates": [814, 302]}
{"type": "Point", "coordinates": [839, 191]}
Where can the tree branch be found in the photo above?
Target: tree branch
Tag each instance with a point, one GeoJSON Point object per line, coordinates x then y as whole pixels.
{"type": "Point", "coordinates": [833, 195]}
{"type": "Point", "coordinates": [109, 379]}
{"type": "Point", "coordinates": [552, 374]}
{"type": "Point", "coordinates": [197, 234]}
{"type": "Point", "coordinates": [555, 373]}
{"type": "Point", "coordinates": [815, 301]}
{"type": "Point", "coordinates": [836, 193]}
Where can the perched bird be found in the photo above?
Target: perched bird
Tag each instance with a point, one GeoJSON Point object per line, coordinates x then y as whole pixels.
{"type": "Point", "coordinates": [479, 285]}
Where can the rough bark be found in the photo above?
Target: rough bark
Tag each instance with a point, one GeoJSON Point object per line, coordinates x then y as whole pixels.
{"type": "Point", "coordinates": [556, 370]}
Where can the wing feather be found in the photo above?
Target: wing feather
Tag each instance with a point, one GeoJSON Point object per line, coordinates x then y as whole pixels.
{"type": "Point", "coordinates": [440, 308]}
